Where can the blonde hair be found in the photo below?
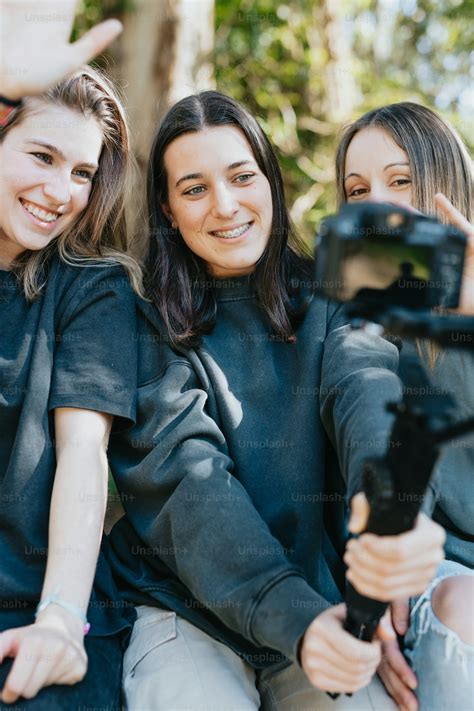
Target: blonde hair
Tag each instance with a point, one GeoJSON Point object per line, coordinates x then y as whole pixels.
{"type": "Point", "coordinates": [99, 235]}
{"type": "Point", "coordinates": [438, 159]}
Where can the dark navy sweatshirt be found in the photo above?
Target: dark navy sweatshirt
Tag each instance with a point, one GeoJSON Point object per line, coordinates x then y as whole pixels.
{"type": "Point", "coordinates": [235, 476]}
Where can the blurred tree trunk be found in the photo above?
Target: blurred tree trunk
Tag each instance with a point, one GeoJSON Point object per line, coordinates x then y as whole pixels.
{"type": "Point", "coordinates": [341, 87]}
{"type": "Point", "coordinates": [386, 17]}
{"type": "Point", "coordinates": [164, 54]}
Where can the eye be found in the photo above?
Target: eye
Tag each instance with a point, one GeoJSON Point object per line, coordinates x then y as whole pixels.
{"type": "Point", "coordinates": [357, 192]}
{"type": "Point", "coordinates": [43, 157]}
{"type": "Point", "coordinates": [196, 190]}
{"type": "Point", "coordinates": [84, 174]}
{"type": "Point", "coordinates": [402, 181]}
{"type": "Point", "coordinates": [244, 177]}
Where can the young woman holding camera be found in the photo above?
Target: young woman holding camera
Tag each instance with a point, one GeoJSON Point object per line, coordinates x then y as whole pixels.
{"type": "Point", "coordinates": [235, 529]}
{"type": "Point", "coordinates": [67, 319]}
{"type": "Point", "coordinates": [406, 154]}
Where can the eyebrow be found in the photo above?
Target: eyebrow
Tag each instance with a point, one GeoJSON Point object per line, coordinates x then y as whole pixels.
{"type": "Point", "coordinates": [195, 176]}
{"type": "Point", "coordinates": [390, 165]}
{"type": "Point", "coordinates": [57, 152]}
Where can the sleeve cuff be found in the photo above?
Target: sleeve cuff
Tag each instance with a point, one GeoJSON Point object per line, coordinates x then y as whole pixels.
{"type": "Point", "coordinates": [284, 613]}
{"type": "Point", "coordinates": [123, 413]}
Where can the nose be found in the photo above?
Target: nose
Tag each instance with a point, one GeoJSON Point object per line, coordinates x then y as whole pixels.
{"type": "Point", "coordinates": [380, 193]}
{"type": "Point", "coordinates": [225, 204]}
{"type": "Point", "coordinates": [57, 188]}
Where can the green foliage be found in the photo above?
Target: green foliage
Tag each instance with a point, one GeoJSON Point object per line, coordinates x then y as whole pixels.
{"type": "Point", "coordinates": [92, 11]}
{"type": "Point", "coordinates": [274, 57]}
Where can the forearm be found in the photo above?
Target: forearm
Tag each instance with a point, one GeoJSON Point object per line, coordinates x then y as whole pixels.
{"type": "Point", "coordinates": [360, 376]}
{"type": "Point", "coordinates": [76, 523]}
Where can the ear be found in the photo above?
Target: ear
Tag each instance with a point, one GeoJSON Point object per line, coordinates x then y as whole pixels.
{"type": "Point", "coordinates": [169, 215]}
{"type": "Point", "coordinates": [166, 211]}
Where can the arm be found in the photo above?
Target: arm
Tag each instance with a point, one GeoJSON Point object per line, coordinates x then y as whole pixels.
{"type": "Point", "coordinates": [359, 378]}
{"type": "Point", "coordinates": [36, 52]}
{"type": "Point", "coordinates": [51, 651]}
{"type": "Point", "coordinates": [184, 502]}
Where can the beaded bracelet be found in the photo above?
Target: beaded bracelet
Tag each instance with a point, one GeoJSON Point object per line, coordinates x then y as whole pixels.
{"type": "Point", "coordinates": [53, 599]}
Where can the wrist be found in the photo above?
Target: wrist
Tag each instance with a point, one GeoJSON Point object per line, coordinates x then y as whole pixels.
{"type": "Point", "coordinates": [64, 609]}
{"type": "Point", "coordinates": [62, 620]}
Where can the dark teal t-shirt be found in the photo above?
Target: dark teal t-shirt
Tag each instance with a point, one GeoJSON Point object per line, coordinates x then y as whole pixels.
{"type": "Point", "coordinates": [73, 346]}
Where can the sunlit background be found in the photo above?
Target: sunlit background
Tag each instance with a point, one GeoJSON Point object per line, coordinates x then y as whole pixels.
{"type": "Point", "coordinates": [305, 68]}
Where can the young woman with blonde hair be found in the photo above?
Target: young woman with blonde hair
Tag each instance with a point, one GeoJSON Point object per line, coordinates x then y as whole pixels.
{"type": "Point", "coordinates": [406, 154]}
{"type": "Point", "coordinates": [67, 361]}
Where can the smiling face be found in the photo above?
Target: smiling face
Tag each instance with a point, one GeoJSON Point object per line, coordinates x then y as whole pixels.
{"type": "Point", "coordinates": [47, 163]}
{"type": "Point", "coordinates": [219, 199]}
{"type": "Point", "coordinates": [377, 169]}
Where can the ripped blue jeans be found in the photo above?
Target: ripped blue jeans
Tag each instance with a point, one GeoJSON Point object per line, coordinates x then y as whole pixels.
{"type": "Point", "coordinates": [442, 662]}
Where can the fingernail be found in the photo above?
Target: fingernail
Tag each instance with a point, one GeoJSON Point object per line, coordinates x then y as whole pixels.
{"type": "Point", "coordinates": [410, 682]}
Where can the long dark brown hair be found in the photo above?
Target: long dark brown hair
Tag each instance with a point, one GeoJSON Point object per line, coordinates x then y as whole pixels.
{"type": "Point", "coordinates": [178, 281]}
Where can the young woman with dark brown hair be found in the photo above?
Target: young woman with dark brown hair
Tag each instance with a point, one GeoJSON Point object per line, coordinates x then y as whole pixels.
{"type": "Point", "coordinates": [235, 529]}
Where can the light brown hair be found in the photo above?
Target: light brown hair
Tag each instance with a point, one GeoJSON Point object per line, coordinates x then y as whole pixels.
{"type": "Point", "coordinates": [438, 159]}
{"type": "Point", "coordinates": [99, 235]}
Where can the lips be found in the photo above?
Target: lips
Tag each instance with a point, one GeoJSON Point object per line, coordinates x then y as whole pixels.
{"type": "Point", "coordinates": [232, 233]}
{"type": "Point", "coordinates": [42, 214]}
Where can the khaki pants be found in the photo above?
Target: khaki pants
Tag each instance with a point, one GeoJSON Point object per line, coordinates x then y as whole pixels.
{"type": "Point", "coordinates": [171, 665]}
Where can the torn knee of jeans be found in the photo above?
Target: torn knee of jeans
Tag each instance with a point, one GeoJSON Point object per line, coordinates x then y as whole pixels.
{"type": "Point", "coordinates": [451, 602]}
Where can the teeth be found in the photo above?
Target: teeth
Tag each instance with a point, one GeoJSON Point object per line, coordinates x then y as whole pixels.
{"type": "Point", "coordinates": [39, 213]}
{"type": "Point", "coordinates": [231, 234]}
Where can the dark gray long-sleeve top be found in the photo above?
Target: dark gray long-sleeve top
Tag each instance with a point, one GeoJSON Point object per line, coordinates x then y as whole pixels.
{"type": "Point", "coordinates": [451, 496]}
{"type": "Point", "coordinates": [234, 497]}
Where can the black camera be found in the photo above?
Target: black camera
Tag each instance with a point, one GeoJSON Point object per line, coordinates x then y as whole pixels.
{"type": "Point", "coordinates": [380, 254]}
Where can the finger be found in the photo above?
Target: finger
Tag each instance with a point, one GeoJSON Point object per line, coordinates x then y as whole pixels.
{"type": "Point", "coordinates": [9, 641]}
{"type": "Point", "coordinates": [393, 656]}
{"type": "Point", "coordinates": [385, 631]}
{"type": "Point", "coordinates": [351, 649]}
{"type": "Point", "coordinates": [38, 679]}
{"type": "Point", "coordinates": [404, 697]}
{"type": "Point", "coordinates": [404, 546]}
{"type": "Point", "coordinates": [19, 675]}
{"type": "Point", "coordinates": [360, 510]}
{"type": "Point", "coordinates": [362, 558]}
{"type": "Point", "coordinates": [401, 615]}
{"type": "Point", "coordinates": [324, 658]}
{"type": "Point", "coordinates": [390, 588]}
{"type": "Point", "coordinates": [95, 41]}
{"type": "Point", "coordinates": [325, 670]}
{"type": "Point", "coordinates": [455, 217]}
